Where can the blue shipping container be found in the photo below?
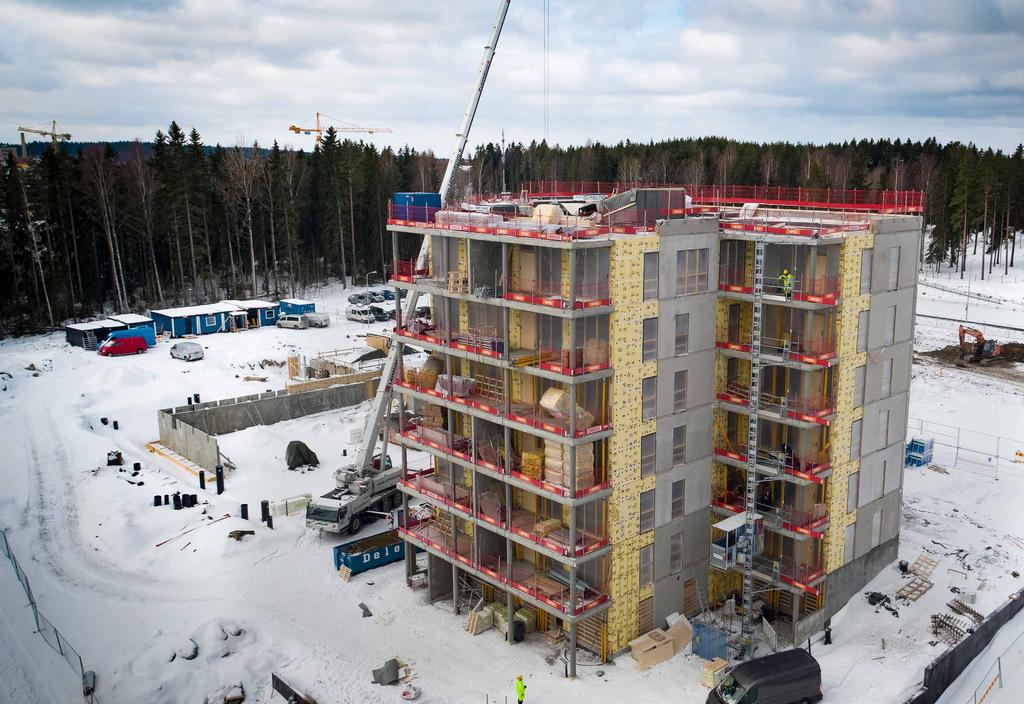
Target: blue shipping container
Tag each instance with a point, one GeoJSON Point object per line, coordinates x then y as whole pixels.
{"type": "Point", "coordinates": [418, 206]}
{"type": "Point", "coordinates": [368, 553]}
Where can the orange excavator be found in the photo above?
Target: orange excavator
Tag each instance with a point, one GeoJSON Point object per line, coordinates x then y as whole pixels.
{"type": "Point", "coordinates": [982, 351]}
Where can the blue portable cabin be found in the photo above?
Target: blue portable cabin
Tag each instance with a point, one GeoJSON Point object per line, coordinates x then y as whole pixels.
{"type": "Point", "coordinates": [198, 320]}
{"type": "Point", "coordinates": [296, 306]}
{"type": "Point", "coordinates": [135, 321]}
{"type": "Point", "coordinates": [91, 333]}
{"type": "Point", "coordinates": [257, 313]}
{"type": "Point", "coordinates": [368, 553]}
{"type": "Point", "coordinates": [419, 205]}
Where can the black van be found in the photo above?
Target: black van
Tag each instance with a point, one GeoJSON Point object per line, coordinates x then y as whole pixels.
{"type": "Point", "coordinates": [790, 677]}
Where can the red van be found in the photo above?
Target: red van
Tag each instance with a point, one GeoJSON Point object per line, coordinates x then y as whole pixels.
{"type": "Point", "coordinates": [123, 345]}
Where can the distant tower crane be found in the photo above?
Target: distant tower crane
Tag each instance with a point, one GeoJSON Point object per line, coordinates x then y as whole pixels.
{"type": "Point", "coordinates": [52, 133]}
{"type": "Point", "coordinates": [319, 131]}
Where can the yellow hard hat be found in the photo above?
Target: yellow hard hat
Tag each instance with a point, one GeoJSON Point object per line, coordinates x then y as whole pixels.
{"type": "Point", "coordinates": [519, 677]}
{"type": "Point", "coordinates": [785, 271]}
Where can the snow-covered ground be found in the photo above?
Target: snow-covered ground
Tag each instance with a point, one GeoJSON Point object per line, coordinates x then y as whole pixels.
{"type": "Point", "coordinates": [132, 604]}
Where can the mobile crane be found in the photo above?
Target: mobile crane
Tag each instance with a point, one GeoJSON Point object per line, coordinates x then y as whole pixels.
{"type": "Point", "coordinates": [368, 484]}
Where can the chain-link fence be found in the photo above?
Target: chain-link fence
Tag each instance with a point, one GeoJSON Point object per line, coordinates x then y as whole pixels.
{"type": "Point", "coordinates": [972, 450]}
{"type": "Point", "coordinates": [44, 628]}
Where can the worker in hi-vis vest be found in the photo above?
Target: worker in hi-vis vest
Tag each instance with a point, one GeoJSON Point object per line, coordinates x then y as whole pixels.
{"type": "Point", "coordinates": [787, 283]}
{"type": "Point", "coordinates": [520, 689]}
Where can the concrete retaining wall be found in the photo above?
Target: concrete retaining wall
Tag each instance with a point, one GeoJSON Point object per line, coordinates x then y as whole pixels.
{"type": "Point", "coordinates": [190, 430]}
{"type": "Point", "coordinates": [945, 669]}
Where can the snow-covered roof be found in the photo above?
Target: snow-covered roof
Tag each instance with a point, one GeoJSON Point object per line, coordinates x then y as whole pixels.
{"type": "Point", "coordinates": [94, 325]}
{"type": "Point", "coordinates": [131, 318]}
{"type": "Point", "coordinates": [206, 309]}
{"type": "Point", "coordinates": [296, 301]}
{"type": "Point", "coordinates": [253, 303]}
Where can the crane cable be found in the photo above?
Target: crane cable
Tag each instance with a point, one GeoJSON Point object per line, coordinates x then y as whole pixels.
{"type": "Point", "coordinates": [547, 63]}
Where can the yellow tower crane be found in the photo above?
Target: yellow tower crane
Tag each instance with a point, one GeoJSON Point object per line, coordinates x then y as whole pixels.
{"type": "Point", "coordinates": [52, 133]}
{"type": "Point", "coordinates": [319, 131]}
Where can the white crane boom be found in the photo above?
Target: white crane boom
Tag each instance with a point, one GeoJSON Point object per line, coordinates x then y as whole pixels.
{"type": "Point", "coordinates": [382, 400]}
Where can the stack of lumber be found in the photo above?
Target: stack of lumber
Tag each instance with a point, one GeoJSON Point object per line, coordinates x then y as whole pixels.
{"type": "Point", "coordinates": [431, 416]}
{"type": "Point", "coordinates": [555, 403]}
{"type": "Point", "coordinates": [556, 464]}
{"type": "Point", "coordinates": [527, 616]}
{"type": "Point", "coordinates": [542, 528]}
{"type": "Point", "coordinates": [460, 386]}
{"type": "Point", "coordinates": [427, 376]}
{"type": "Point", "coordinates": [480, 621]}
{"type": "Point", "coordinates": [712, 672]}
{"type": "Point", "coordinates": [533, 465]}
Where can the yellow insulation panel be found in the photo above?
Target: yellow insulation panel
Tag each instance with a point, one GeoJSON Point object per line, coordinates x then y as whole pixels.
{"type": "Point", "coordinates": [626, 333]}
{"type": "Point", "coordinates": [852, 302]}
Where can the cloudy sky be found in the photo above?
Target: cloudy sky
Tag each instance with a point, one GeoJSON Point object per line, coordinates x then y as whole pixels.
{"type": "Point", "coordinates": [802, 70]}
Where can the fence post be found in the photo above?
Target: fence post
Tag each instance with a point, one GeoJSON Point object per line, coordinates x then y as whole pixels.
{"type": "Point", "coordinates": [999, 666]}
{"type": "Point", "coordinates": [998, 454]}
{"type": "Point", "coordinates": [956, 458]}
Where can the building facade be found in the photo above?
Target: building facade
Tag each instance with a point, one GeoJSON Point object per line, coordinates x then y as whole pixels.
{"type": "Point", "coordinates": [585, 404]}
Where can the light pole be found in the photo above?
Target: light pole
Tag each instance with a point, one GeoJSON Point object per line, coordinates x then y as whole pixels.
{"type": "Point", "coordinates": [366, 280]}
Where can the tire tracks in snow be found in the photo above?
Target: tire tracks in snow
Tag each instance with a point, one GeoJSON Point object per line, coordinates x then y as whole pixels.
{"type": "Point", "coordinates": [53, 502]}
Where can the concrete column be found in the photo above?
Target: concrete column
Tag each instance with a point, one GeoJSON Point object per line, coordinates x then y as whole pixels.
{"type": "Point", "coordinates": [508, 592]}
{"type": "Point", "coordinates": [394, 265]}
{"type": "Point", "coordinates": [571, 259]}
{"type": "Point", "coordinates": [572, 434]}
{"type": "Point", "coordinates": [572, 587]}
{"type": "Point", "coordinates": [572, 650]}
{"type": "Point", "coordinates": [455, 583]}
{"type": "Point", "coordinates": [506, 377]}
{"type": "Point", "coordinates": [469, 265]}
{"type": "Point", "coordinates": [507, 469]}
{"type": "Point", "coordinates": [795, 616]}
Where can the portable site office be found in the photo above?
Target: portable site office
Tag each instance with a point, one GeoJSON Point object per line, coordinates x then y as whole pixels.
{"type": "Point", "coordinates": [199, 320]}
{"type": "Point", "coordinates": [89, 335]}
{"type": "Point", "coordinates": [257, 313]}
{"type": "Point", "coordinates": [296, 306]}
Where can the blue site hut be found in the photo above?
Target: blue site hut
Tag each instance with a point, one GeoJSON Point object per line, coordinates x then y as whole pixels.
{"type": "Point", "coordinates": [296, 306]}
{"type": "Point", "coordinates": [257, 313]}
{"type": "Point", "coordinates": [199, 320]}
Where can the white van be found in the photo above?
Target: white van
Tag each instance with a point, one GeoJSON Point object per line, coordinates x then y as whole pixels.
{"type": "Point", "coordinates": [317, 320]}
{"type": "Point", "coordinates": [188, 351]}
{"type": "Point", "coordinates": [360, 314]}
{"type": "Point", "coordinates": [291, 320]}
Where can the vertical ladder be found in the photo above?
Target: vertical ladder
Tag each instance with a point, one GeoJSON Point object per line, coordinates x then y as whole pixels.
{"type": "Point", "coordinates": [751, 496]}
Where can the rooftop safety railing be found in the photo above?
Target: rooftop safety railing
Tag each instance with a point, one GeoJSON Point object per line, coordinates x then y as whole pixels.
{"type": "Point", "coordinates": [881, 201]}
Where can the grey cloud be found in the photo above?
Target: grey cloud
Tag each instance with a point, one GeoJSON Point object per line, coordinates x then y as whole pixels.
{"type": "Point", "coordinates": [788, 69]}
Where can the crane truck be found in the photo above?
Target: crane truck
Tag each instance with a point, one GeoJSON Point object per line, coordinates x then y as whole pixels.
{"type": "Point", "coordinates": [360, 495]}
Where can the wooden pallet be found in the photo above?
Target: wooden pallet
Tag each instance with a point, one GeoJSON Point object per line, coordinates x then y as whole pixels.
{"type": "Point", "coordinates": [913, 589]}
{"type": "Point", "coordinates": [923, 566]}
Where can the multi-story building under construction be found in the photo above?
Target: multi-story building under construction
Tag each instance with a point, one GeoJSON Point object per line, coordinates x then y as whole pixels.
{"type": "Point", "coordinates": [587, 403]}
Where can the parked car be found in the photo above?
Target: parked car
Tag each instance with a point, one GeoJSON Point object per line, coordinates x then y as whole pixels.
{"type": "Point", "coordinates": [789, 677]}
{"type": "Point", "coordinates": [292, 320]}
{"type": "Point", "coordinates": [360, 299]}
{"type": "Point", "coordinates": [380, 314]}
{"type": "Point", "coordinates": [376, 295]}
{"type": "Point", "coordinates": [188, 351]}
{"type": "Point", "coordinates": [317, 320]}
{"type": "Point", "coordinates": [423, 311]}
{"type": "Point", "coordinates": [118, 346]}
{"type": "Point", "coordinates": [360, 314]}
{"type": "Point", "coordinates": [388, 294]}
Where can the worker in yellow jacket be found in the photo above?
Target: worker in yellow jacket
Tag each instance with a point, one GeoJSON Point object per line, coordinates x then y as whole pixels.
{"type": "Point", "coordinates": [787, 283]}
{"type": "Point", "coordinates": [520, 689]}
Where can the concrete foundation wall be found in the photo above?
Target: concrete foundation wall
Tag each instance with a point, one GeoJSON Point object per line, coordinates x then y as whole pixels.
{"type": "Point", "coordinates": [189, 442]}
{"type": "Point", "coordinates": [190, 430]}
{"type": "Point", "coordinates": [849, 580]}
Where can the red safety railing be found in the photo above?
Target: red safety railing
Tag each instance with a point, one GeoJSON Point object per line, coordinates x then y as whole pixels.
{"type": "Point", "coordinates": [810, 466]}
{"type": "Point", "coordinates": [883, 201]}
{"type": "Point", "coordinates": [798, 574]}
{"type": "Point", "coordinates": [817, 352]}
